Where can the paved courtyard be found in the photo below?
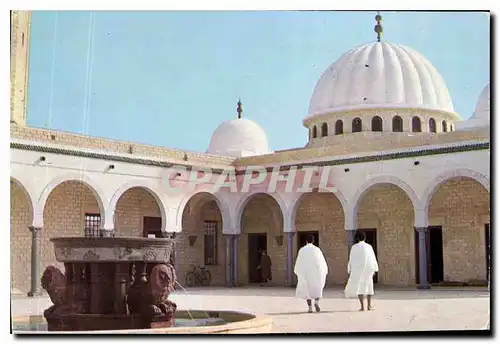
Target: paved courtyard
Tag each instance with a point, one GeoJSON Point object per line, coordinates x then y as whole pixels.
{"type": "Point", "coordinates": [395, 309]}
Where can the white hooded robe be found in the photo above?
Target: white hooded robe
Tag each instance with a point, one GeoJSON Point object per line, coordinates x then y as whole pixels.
{"type": "Point", "coordinates": [311, 271]}
{"type": "Point", "coordinates": [362, 265]}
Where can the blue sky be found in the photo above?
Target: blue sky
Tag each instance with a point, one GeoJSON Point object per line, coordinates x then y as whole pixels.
{"type": "Point", "coordinates": [170, 78]}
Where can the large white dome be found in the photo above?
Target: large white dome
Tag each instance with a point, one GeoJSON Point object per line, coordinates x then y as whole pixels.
{"type": "Point", "coordinates": [380, 75]}
{"type": "Point", "coordinates": [482, 110]}
{"type": "Point", "coordinates": [238, 138]}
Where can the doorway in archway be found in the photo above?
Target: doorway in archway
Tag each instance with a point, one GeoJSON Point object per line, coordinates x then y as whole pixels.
{"type": "Point", "coordinates": [371, 238]}
{"type": "Point", "coordinates": [151, 227]}
{"type": "Point", "coordinates": [302, 238]}
{"type": "Point", "coordinates": [257, 242]}
{"type": "Point", "coordinates": [434, 259]}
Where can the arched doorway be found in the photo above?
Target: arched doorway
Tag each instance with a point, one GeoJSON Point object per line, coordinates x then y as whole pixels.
{"type": "Point", "coordinates": [201, 242]}
{"type": "Point", "coordinates": [386, 214]}
{"type": "Point", "coordinates": [460, 209]}
{"type": "Point", "coordinates": [21, 217]}
{"type": "Point", "coordinates": [71, 209]}
{"type": "Point", "coordinates": [137, 214]}
{"type": "Point", "coordinates": [321, 214]}
{"type": "Point", "coordinates": [261, 229]}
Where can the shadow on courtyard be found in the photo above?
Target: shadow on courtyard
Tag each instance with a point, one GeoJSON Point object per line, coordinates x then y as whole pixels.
{"type": "Point", "coordinates": [381, 293]}
{"type": "Point", "coordinates": [322, 312]}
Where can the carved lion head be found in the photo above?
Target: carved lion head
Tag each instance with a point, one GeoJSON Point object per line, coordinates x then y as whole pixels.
{"type": "Point", "coordinates": [162, 281]}
{"type": "Point", "coordinates": [52, 278]}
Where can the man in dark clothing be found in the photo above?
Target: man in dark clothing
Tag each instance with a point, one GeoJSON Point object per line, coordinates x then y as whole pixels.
{"type": "Point", "coordinates": [265, 267]}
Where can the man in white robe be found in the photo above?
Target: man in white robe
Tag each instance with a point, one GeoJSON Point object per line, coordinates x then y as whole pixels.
{"type": "Point", "coordinates": [311, 271]}
{"type": "Point", "coordinates": [361, 268]}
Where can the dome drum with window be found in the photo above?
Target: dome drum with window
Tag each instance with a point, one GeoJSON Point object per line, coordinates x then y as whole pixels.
{"type": "Point", "coordinates": [381, 121]}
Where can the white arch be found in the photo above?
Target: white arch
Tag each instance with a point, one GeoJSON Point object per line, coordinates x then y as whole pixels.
{"type": "Point", "coordinates": [383, 179]}
{"type": "Point", "coordinates": [145, 185]}
{"type": "Point", "coordinates": [432, 187]}
{"type": "Point", "coordinates": [295, 203]}
{"type": "Point", "coordinates": [66, 177]}
{"type": "Point", "coordinates": [26, 191]}
{"type": "Point", "coordinates": [243, 202]}
{"type": "Point", "coordinates": [223, 208]}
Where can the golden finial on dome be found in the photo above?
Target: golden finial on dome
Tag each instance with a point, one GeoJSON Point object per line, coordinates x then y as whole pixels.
{"type": "Point", "coordinates": [239, 109]}
{"type": "Point", "coordinates": [378, 28]}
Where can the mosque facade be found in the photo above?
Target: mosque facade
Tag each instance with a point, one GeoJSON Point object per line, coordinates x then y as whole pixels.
{"type": "Point", "coordinates": [406, 169]}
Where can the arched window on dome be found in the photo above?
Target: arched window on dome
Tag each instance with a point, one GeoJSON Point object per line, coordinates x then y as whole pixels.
{"type": "Point", "coordinates": [451, 127]}
{"type": "Point", "coordinates": [339, 127]}
{"type": "Point", "coordinates": [324, 130]}
{"type": "Point", "coordinates": [315, 132]}
{"type": "Point", "coordinates": [376, 123]}
{"type": "Point", "coordinates": [445, 128]}
{"type": "Point", "coordinates": [416, 124]}
{"type": "Point", "coordinates": [356, 125]}
{"type": "Point", "coordinates": [432, 125]}
{"type": "Point", "coordinates": [397, 124]}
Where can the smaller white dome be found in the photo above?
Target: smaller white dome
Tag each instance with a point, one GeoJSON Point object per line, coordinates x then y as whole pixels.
{"type": "Point", "coordinates": [481, 115]}
{"type": "Point", "coordinates": [238, 138]}
{"type": "Point", "coordinates": [482, 110]}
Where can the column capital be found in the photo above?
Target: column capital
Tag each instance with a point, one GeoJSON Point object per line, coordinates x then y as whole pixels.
{"type": "Point", "coordinates": [34, 229]}
{"type": "Point", "coordinates": [231, 235]}
{"type": "Point", "coordinates": [290, 234]}
{"type": "Point", "coordinates": [231, 231]}
{"type": "Point", "coordinates": [421, 229]}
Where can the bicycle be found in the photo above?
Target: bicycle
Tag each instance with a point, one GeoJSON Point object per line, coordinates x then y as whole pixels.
{"type": "Point", "coordinates": [199, 276]}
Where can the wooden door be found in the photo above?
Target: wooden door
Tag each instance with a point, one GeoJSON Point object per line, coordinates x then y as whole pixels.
{"type": "Point", "coordinates": [151, 225]}
{"type": "Point", "coordinates": [371, 238]}
{"type": "Point", "coordinates": [256, 243]}
{"type": "Point", "coordinates": [302, 237]}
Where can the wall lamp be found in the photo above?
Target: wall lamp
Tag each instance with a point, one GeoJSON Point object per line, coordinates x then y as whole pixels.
{"type": "Point", "coordinates": [42, 158]}
{"type": "Point", "coordinates": [416, 163]}
{"type": "Point", "coordinates": [346, 170]}
{"type": "Point", "coordinates": [111, 167]}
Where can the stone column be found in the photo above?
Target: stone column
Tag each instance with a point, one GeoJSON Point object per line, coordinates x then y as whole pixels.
{"type": "Point", "coordinates": [229, 257]}
{"type": "Point", "coordinates": [235, 259]}
{"type": "Point", "coordinates": [289, 258]}
{"type": "Point", "coordinates": [422, 258]}
{"type": "Point", "coordinates": [177, 258]}
{"type": "Point", "coordinates": [35, 262]}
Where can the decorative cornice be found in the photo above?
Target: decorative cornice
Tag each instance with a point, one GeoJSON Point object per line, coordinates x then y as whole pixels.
{"type": "Point", "coordinates": [101, 156]}
{"type": "Point", "coordinates": [333, 162]}
{"type": "Point", "coordinates": [388, 156]}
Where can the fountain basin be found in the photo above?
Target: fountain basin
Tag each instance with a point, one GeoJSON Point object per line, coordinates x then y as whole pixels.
{"type": "Point", "coordinates": [112, 250]}
{"type": "Point", "coordinates": [192, 322]}
{"type": "Point", "coordinates": [110, 284]}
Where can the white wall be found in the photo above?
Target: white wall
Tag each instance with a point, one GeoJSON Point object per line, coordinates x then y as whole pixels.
{"type": "Point", "coordinates": [40, 178]}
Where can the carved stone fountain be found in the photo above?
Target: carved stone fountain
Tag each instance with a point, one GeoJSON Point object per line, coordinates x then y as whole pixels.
{"type": "Point", "coordinates": [110, 284]}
